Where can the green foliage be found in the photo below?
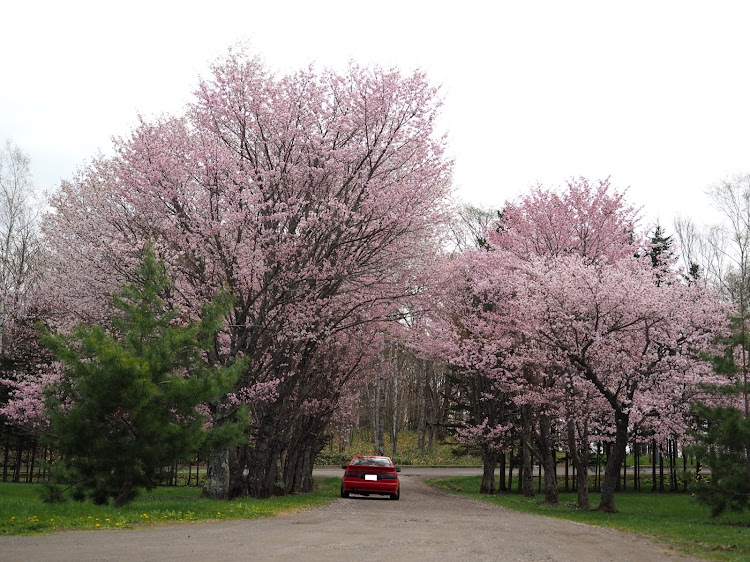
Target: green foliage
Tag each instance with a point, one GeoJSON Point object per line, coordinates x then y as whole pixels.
{"type": "Point", "coordinates": [132, 400]}
{"type": "Point", "coordinates": [675, 518]}
{"type": "Point", "coordinates": [23, 513]}
{"type": "Point", "coordinates": [723, 444]}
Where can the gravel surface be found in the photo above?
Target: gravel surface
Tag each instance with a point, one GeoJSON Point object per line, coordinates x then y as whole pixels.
{"type": "Point", "coordinates": [425, 524]}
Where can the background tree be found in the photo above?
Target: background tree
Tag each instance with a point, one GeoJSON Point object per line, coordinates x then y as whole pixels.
{"type": "Point", "coordinates": [469, 225]}
{"type": "Point", "coordinates": [721, 253]}
{"type": "Point", "coordinates": [130, 399]}
{"type": "Point", "coordinates": [21, 271]}
{"type": "Point", "coordinates": [19, 240]}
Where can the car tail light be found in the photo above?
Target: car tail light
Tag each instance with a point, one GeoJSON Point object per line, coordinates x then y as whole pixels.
{"type": "Point", "coordinates": [361, 475]}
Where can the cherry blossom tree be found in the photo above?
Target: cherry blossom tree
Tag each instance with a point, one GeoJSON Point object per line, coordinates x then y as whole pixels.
{"type": "Point", "coordinates": [470, 327]}
{"type": "Point", "coordinates": [636, 341]}
{"type": "Point", "coordinates": [566, 311]}
{"type": "Point", "coordinates": [311, 197]}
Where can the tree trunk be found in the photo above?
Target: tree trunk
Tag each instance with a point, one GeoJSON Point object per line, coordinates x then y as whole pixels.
{"type": "Point", "coordinates": [511, 462]}
{"type": "Point", "coordinates": [19, 458]}
{"type": "Point", "coordinates": [501, 487]}
{"type": "Point", "coordinates": [636, 466]}
{"type": "Point", "coordinates": [549, 461]}
{"type": "Point", "coordinates": [528, 472]}
{"type": "Point", "coordinates": [422, 424]}
{"type": "Point", "coordinates": [216, 486]}
{"type": "Point", "coordinates": [614, 462]}
{"type": "Point", "coordinates": [6, 454]}
{"type": "Point", "coordinates": [684, 471]}
{"type": "Point", "coordinates": [489, 462]}
{"type": "Point", "coordinates": [661, 469]}
{"type": "Point", "coordinates": [580, 465]}
{"type": "Point", "coordinates": [124, 494]}
{"type": "Point", "coordinates": [197, 470]}
{"type": "Point", "coordinates": [380, 443]}
{"type": "Point", "coordinates": [30, 464]}
{"type": "Point", "coordinates": [394, 420]}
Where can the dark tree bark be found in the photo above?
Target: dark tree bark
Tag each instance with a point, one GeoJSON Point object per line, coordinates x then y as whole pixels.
{"type": "Point", "coordinates": [501, 487]}
{"type": "Point", "coordinates": [31, 462]}
{"type": "Point", "coordinates": [124, 494]}
{"type": "Point", "coordinates": [6, 454]}
{"type": "Point", "coordinates": [380, 442]}
{"type": "Point", "coordinates": [422, 423]}
{"type": "Point", "coordinates": [548, 460]}
{"type": "Point", "coordinates": [580, 464]}
{"type": "Point", "coordinates": [489, 463]}
{"type": "Point", "coordinates": [19, 458]}
{"type": "Point", "coordinates": [614, 462]}
{"type": "Point", "coordinates": [661, 469]}
{"type": "Point", "coordinates": [528, 472]}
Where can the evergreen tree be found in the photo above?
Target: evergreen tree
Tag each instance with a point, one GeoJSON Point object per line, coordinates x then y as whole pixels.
{"type": "Point", "coordinates": [722, 445]}
{"type": "Point", "coordinates": [129, 401]}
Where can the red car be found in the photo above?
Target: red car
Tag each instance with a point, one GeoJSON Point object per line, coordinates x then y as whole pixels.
{"type": "Point", "coordinates": [367, 475]}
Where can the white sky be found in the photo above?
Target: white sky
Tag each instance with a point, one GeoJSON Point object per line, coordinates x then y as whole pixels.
{"type": "Point", "coordinates": [654, 93]}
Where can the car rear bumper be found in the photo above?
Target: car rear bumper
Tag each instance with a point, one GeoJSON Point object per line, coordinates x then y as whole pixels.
{"type": "Point", "coordinates": [357, 485]}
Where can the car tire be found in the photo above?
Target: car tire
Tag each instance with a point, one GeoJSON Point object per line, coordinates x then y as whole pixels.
{"type": "Point", "coordinates": [343, 493]}
{"type": "Point", "coordinates": [397, 495]}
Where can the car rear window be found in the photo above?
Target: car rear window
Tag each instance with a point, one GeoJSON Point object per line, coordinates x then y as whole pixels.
{"type": "Point", "coordinates": [371, 461]}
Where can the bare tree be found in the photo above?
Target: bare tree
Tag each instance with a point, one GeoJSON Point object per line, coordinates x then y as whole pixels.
{"type": "Point", "coordinates": [467, 228]}
{"type": "Point", "coordinates": [721, 254]}
{"type": "Point", "coordinates": [19, 236]}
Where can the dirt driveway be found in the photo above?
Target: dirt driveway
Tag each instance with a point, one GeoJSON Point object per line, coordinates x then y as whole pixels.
{"type": "Point", "coordinates": [425, 524]}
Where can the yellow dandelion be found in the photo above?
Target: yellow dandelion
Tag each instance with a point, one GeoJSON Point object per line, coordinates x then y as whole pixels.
{"type": "Point", "coordinates": [98, 525]}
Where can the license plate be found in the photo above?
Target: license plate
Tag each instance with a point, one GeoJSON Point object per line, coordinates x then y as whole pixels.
{"type": "Point", "coordinates": [371, 476]}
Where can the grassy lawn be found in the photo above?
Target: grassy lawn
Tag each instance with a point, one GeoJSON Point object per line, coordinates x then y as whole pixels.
{"type": "Point", "coordinates": [22, 512]}
{"type": "Point", "coordinates": [674, 518]}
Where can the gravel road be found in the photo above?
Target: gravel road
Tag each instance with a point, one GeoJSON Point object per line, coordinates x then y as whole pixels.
{"type": "Point", "coordinates": [425, 524]}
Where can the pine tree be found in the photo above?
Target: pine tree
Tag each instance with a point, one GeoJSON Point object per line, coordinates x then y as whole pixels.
{"type": "Point", "coordinates": [129, 402]}
{"type": "Point", "coordinates": [722, 445]}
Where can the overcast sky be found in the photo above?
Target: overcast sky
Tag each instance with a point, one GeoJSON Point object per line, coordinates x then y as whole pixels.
{"type": "Point", "coordinates": [653, 93]}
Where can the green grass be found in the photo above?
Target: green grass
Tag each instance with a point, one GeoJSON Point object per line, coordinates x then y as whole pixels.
{"type": "Point", "coordinates": [22, 512]}
{"type": "Point", "coordinates": [676, 519]}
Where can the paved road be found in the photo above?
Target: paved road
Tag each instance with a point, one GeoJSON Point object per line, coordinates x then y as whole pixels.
{"type": "Point", "coordinates": [426, 524]}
